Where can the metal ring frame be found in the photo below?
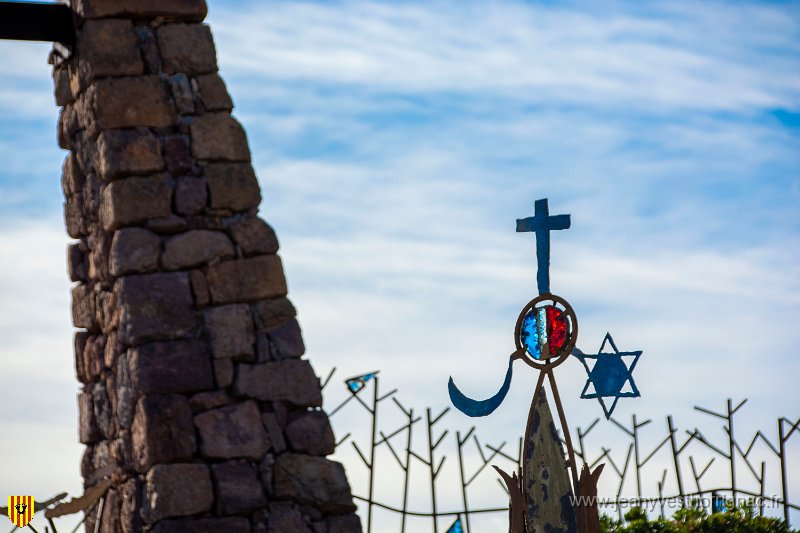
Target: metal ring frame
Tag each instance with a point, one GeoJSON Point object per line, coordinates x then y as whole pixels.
{"type": "Point", "coordinates": [563, 353]}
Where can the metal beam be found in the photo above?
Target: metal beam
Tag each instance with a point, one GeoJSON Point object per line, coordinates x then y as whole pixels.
{"type": "Point", "coordinates": [24, 21]}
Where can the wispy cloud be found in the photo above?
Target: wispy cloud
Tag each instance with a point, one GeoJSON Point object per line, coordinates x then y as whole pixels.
{"type": "Point", "coordinates": [397, 142]}
{"type": "Point", "coordinates": [684, 55]}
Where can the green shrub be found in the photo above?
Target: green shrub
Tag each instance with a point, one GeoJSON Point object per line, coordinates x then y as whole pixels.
{"type": "Point", "coordinates": [695, 519]}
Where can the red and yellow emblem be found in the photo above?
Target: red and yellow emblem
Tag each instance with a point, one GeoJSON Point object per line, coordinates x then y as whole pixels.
{"type": "Point", "coordinates": [20, 510]}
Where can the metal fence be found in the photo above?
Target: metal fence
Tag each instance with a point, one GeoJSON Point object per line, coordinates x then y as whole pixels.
{"type": "Point", "coordinates": [396, 443]}
{"type": "Point", "coordinates": [395, 440]}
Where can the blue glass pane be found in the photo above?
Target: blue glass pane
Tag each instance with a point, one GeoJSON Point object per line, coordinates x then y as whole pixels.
{"type": "Point", "coordinates": [609, 375]}
{"type": "Point", "coordinates": [529, 335]}
{"type": "Point", "coordinates": [456, 527]}
{"type": "Point", "coordinates": [357, 383]}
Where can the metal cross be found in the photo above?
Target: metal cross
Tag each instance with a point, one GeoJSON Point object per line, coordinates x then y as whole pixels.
{"type": "Point", "coordinates": [542, 224]}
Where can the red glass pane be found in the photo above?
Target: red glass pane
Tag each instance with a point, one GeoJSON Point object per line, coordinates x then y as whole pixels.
{"type": "Point", "coordinates": [556, 328]}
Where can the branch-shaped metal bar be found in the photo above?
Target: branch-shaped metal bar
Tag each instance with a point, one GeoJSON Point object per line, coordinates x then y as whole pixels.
{"type": "Point", "coordinates": [460, 443]}
{"type": "Point", "coordinates": [581, 435]}
{"type": "Point", "coordinates": [434, 471]}
{"type": "Point", "coordinates": [622, 477]}
{"type": "Point", "coordinates": [634, 433]}
{"type": "Point", "coordinates": [676, 456]}
{"type": "Point", "coordinates": [697, 477]}
{"type": "Point", "coordinates": [728, 417]}
{"type": "Point", "coordinates": [782, 438]}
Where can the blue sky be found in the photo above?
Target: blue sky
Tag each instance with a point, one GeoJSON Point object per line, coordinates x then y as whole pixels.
{"type": "Point", "coordinates": [396, 144]}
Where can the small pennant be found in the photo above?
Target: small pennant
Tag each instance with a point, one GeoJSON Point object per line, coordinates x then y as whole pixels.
{"type": "Point", "coordinates": [357, 383]}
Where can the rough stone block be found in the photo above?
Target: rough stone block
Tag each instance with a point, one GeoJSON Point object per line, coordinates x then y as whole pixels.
{"type": "Point", "coordinates": [83, 308]}
{"type": "Point", "coordinates": [113, 349]}
{"type": "Point", "coordinates": [219, 137]}
{"type": "Point", "coordinates": [134, 250]}
{"type": "Point", "coordinates": [128, 152]}
{"type": "Point", "coordinates": [79, 344]}
{"type": "Point", "coordinates": [169, 367]}
{"type": "Point", "coordinates": [203, 401]}
{"type": "Point", "coordinates": [283, 516]}
{"type": "Point", "coordinates": [133, 101]}
{"type": "Point", "coordinates": [86, 152]}
{"type": "Point", "coordinates": [230, 524]}
{"type": "Point", "coordinates": [182, 93]}
{"type": "Point", "coordinates": [73, 216]}
{"type": "Point", "coordinates": [88, 432]}
{"type": "Point", "coordinates": [77, 263]}
{"type": "Point", "coordinates": [286, 341]}
{"type": "Point", "coordinates": [162, 430]}
{"type": "Point", "coordinates": [223, 373]}
{"type": "Point", "coordinates": [265, 469]}
{"type": "Point", "coordinates": [107, 313]}
{"type": "Point", "coordinates": [194, 248]}
{"type": "Point", "coordinates": [273, 312]}
{"type": "Point", "coordinates": [237, 487]}
{"type": "Point", "coordinates": [233, 431]}
{"type": "Point", "coordinates": [275, 431]}
{"type": "Point", "coordinates": [131, 493]}
{"type": "Point", "coordinates": [347, 523]}
{"type": "Point", "coordinates": [91, 199]}
{"type": "Point", "coordinates": [125, 397]}
{"type": "Point", "coordinates": [189, 10]}
{"type": "Point", "coordinates": [230, 328]}
{"type": "Point", "coordinates": [149, 46]}
{"type": "Point", "coordinates": [110, 518]}
{"type": "Point", "coordinates": [109, 48]}
{"type": "Point", "coordinates": [177, 490]}
{"type": "Point", "coordinates": [292, 381]}
{"type": "Point", "coordinates": [187, 48]}
{"type": "Point", "coordinates": [103, 414]}
{"type": "Point", "coordinates": [134, 200]}
{"type": "Point", "coordinates": [168, 225]}
{"type": "Point", "coordinates": [190, 195]}
{"type": "Point", "coordinates": [199, 288]}
{"type": "Point", "coordinates": [154, 307]}
{"type": "Point", "coordinates": [254, 236]}
{"type": "Point", "coordinates": [311, 433]}
{"type": "Point", "coordinates": [178, 155]}
{"type": "Point", "coordinates": [315, 481]}
{"type": "Point", "coordinates": [99, 245]}
{"type": "Point", "coordinates": [61, 88]}
{"type": "Point", "coordinates": [72, 178]}
{"type": "Point", "coordinates": [263, 348]}
{"type": "Point", "coordinates": [213, 93]}
{"type": "Point", "coordinates": [246, 280]}
{"type": "Point", "coordinates": [92, 356]}
{"type": "Point", "coordinates": [68, 126]}
{"type": "Point", "coordinates": [232, 186]}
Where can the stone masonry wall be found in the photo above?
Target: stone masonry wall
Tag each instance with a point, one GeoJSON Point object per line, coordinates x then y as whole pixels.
{"type": "Point", "coordinates": [195, 398]}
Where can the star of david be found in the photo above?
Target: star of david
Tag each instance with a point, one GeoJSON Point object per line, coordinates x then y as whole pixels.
{"type": "Point", "coordinates": [609, 375]}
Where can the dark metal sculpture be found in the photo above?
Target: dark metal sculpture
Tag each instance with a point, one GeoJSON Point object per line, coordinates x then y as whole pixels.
{"type": "Point", "coordinates": [545, 335]}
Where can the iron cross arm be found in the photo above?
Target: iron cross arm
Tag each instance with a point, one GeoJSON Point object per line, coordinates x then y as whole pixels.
{"type": "Point", "coordinates": [26, 21]}
{"type": "Point", "coordinates": [542, 224]}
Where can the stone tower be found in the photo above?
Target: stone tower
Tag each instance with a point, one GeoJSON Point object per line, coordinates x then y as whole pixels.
{"type": "Point", "coordinates": [196, 402]}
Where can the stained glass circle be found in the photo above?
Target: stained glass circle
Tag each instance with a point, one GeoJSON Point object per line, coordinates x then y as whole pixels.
{"type": "Point", "coordinates": [546, 330]}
